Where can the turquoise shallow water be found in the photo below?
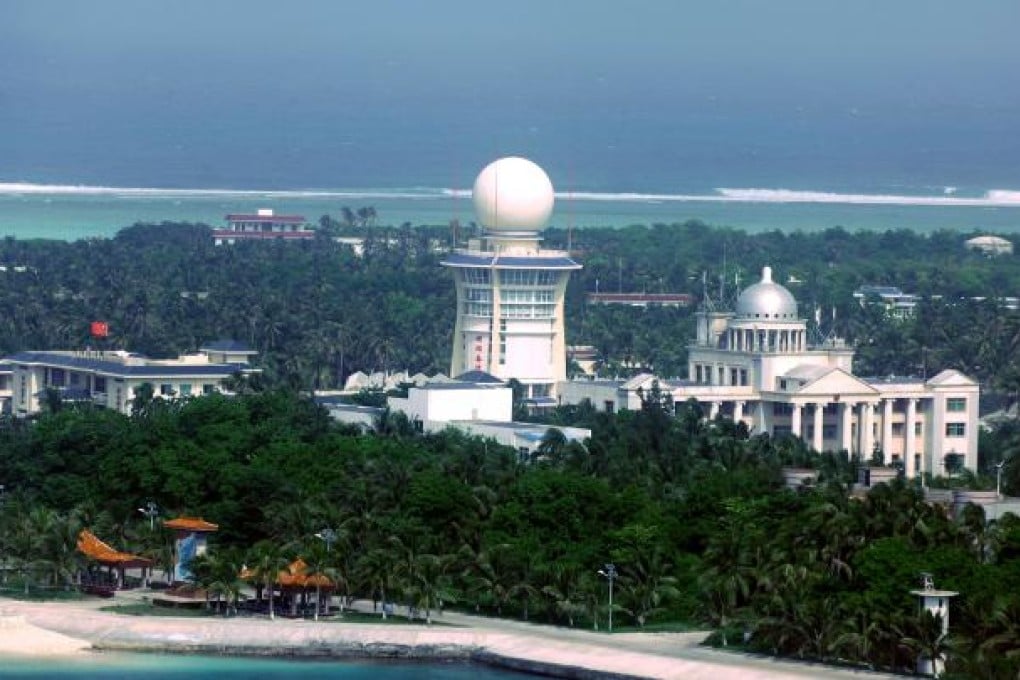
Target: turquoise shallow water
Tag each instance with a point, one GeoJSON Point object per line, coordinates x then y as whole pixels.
{"type": "Point", "coordinates": [72, 216]}
{"type": "Point", "coordinates": [122, 666]}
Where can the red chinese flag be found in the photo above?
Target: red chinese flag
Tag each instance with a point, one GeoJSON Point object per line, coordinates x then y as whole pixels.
{"type": "Point", "coordinates": [99, 329]}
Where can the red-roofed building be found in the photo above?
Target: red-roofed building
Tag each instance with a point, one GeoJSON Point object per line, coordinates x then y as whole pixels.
{"type": "Point", "coordinates": [264, 224]}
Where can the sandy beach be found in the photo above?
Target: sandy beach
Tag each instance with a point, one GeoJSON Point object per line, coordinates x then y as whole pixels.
{"type": "Point", "coordinates": [59, 629]}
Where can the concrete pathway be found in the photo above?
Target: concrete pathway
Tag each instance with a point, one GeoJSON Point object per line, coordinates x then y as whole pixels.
{"type": "Point", "coordinates": [515, 644]}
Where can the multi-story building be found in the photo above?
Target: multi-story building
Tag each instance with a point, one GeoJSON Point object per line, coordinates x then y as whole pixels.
{"type": "Point", "coordinates": [755, 364]}
{"type": "Point", "coordinates": [110, 378]}
{"type": "Point", "coordinates": [264, 224]}
{"type": "Point", "coordinates": [641, 299]}
{"type": "Point", "coordinates": [896, 303]}
{"type": "Point", "coordinates": [509, 289]}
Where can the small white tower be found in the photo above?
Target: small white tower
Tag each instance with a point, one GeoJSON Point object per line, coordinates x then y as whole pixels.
{"type": "Point", "coordinates": [509, 290]}
{"type": "Point", "coordinates": [935, 602]}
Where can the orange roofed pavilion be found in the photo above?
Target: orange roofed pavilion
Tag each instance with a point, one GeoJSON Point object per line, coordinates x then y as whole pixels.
{"type": "Point", "coordinates": [115, 561]}
{"type": "Point", "coordinates": [193, 524]}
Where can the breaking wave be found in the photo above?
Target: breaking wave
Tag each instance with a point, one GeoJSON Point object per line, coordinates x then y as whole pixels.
{"type": "Point", "coordinates": [992, 198]}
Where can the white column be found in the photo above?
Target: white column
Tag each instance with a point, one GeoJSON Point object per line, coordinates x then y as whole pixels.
{"type": "Point", "coordinates": [713, 410]}
{"type": "Point", "coordinates": [846, 412]}
{"type": "Point", "coordinates": [887, 405]}
{"type": "Point", "coordinates": [867, 423]}
{"type": "Point", "coordinates": [738, 411]}
{"type": "Point", "coordinates": [817, 442]}
{"type": "Point", "coordinates": [795, 427]}
{"type": "Point", "coordinates": [910, 445]}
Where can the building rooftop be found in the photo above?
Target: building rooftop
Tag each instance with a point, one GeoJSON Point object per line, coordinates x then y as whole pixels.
{"type": "Point", "coordinates": [270, 218]}
{"type": "Point", "coordinates": [480, 377]}
{"type": "Point", "coordinates": [228, 346]}
{"type": "Point", "coordinates": [125, 364]}
{"type": "Point", "coordinates": [553, 260]}
{"type": "Point", "coordinates": [893, 379]}
{"type": "Point", "coordinates": [461, 386]}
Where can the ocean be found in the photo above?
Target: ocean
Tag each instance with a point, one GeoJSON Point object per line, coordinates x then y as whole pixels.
{"type": "Point", "coordinates": [760, 117]}
{"type": "Point", "coordinates": [126, 666]}
{"type": "Point", "coordinates": [68, 212]}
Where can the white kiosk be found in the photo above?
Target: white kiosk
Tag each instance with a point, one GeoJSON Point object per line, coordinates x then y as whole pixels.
{"type": "Point", "coordinates": [936, 603]}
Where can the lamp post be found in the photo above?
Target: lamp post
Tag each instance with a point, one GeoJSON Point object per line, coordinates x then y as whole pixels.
{"type": "Point", "coordinates": [329, 536]}
{"type": "Point", "coordinates": [998, 479]}
{"type": "Point", "coordinates": [609, 572]}
{"type": "Point", "coordinates": [151, 510]}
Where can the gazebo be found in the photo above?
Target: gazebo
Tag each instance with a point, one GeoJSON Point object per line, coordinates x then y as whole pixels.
{"type": "Point", "coordinates": [116, 562]}
{"type": "Point", "coordinates": [190, 541]}
{"type": "Point", "coordinates": [295, 582]}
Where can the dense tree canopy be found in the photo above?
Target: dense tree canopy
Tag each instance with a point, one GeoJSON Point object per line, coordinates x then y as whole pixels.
{"type": "Point", "coordinates": [316, 312]}
{"type": "Point", "coordinates": [693, 513]}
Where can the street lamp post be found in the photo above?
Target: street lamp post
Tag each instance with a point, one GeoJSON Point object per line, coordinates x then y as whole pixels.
{"type": "Point", "coordinates": [998, 479]}
{"type": "Point", "coordinates": [151, 510]}
{"type": "Point", "coordinates": [329, 536]}
{"type": "Point", "coordinates": [609, 572]}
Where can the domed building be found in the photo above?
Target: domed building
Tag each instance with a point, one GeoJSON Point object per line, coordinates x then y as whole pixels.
{"type": "Point", "coordinates": [756, 365]}
{"type": "Point", "coordinates": [509, 289]}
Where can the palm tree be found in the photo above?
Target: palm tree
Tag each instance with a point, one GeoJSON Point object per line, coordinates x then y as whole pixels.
{"type": "Point", "coordinates": [429, 585]}
{"type": "Point", "coordinates": [268, 560]}
{"type": "Point", "coordinates": [376, 569]}
{"type": "Point", "coordinates": [564, 590]}
{"type": "Point", "coordinates": [319, 569]}
{"type": "Point", "coordinates": [925, 639]}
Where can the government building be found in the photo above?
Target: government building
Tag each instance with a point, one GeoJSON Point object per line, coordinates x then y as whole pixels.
{"type": "Point", "coordinates": [756, 365]}
{"type": "Point", "coordinates": [111, 378]}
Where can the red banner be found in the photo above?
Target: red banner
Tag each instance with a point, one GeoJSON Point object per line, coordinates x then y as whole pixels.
{"type": "Point", "coordinates": [99, 329]}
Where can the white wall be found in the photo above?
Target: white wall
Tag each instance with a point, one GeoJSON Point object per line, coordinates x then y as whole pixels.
{"type": "Point", "coordinates": [444, 405]}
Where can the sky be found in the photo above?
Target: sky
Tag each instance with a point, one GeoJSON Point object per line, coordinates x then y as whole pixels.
{"type": "Point", "coordinates": [140, 73]}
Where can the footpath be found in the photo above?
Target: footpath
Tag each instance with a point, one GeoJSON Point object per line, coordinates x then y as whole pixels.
{"type": "Point", "coordinates": [562, 652]}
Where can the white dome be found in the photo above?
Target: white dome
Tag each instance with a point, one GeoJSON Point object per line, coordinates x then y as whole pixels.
{"type": "Point", "coordinates": [767, 301]}
{"type": "Point", "coordinates": [513, 194]}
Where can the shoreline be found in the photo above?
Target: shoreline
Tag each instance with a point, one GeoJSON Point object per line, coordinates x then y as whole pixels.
{"type": "Point", "coordinates": [530, 648]}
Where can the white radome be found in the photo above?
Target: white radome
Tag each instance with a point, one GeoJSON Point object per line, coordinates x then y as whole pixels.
{"type": "Point", "coordinates": [513, 194]}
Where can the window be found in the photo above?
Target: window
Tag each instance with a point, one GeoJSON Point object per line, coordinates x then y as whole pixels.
{"type": "Point", "coordinates": [610, 406]}
{"type": "Point", "coordinates": [185, 389]}
{"type": "Point", "coordinates": [917, 429]}
{"type": "Point", "coordinates": [697, 373]}
{"type": "Point", "coordinates": [166, 390]}
{"type": "Point", "coordinates": [779, 409]}
{"type": "Point", "coordinates": [956, 429]}
{"type": "Point", "coordinates": [478, 276]}
{"type": "Point", "coordinates": [208, 389]}
{"type": "Point", "coordinates": [828, 431]}
{"type": "Point", "coordinates": [897, 429]}
{"type": "Point", "coordinates": [99, 384]}
{"type": "Point", "coordinates": [75, 378]}
{"type": "Point", "coordinates": [57, 377]}
{"type": "Point", "coordinates": [743, 377]}
{"type": "Point", "coordinates": [524, 277]}
{"type": "Point", "coordinates": [956, 404]}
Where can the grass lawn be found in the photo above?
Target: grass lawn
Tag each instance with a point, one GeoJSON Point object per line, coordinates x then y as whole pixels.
{"type": "Point", "coordinates": [147, 609]}
{"type": "Point", "coordinates": [662, 627]}
{"type": "Point", "coordinates": [393, 619]}
{"type": "Point", "coordinates": [43, 594]}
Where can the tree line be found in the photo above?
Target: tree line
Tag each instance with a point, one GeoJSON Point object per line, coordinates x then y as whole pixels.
{"type": "Point", "coordinates": [693, 513]}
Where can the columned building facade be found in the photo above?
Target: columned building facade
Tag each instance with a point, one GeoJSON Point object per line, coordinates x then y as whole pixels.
{"type": "Point", "coordinates": [755, 365]}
